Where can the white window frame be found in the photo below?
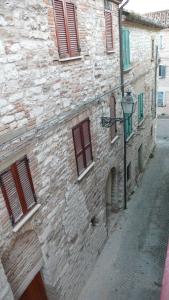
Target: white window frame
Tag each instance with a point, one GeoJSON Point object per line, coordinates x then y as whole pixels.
{"type": "Point", "coordinates": [163, 98]}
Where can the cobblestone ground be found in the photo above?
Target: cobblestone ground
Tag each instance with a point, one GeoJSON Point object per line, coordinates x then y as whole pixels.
{"type": "Point", "coordinates": [132, 262]}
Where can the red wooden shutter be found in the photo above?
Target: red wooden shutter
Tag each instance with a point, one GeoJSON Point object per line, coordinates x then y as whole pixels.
{"type": "Point", "coordinates": [26, 182]}
{"type": "Point", "coordinates": [11, 196]}
{"type": "Point", "coordinates": [62, 35]}
{"type": "Point", "coordinates": [113, 128]}
{"type": "Point", "coordinates": [78, 149]}
{"type": "Point", "coordinates": [109, 30]}
{"type": "Point", "coordinates": [72, 28]}
{"type": "Point", "coordinates": [87, 141]}
{"type": "Point", "coordinates": [17, 188]}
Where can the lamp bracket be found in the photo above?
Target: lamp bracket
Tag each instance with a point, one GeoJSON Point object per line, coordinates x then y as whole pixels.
{"type": "Point", "coordinates": [109, 121]}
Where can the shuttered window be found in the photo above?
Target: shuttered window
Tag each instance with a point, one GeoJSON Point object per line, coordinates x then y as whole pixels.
{"type": "Point", "coordinates": [109, 30]}
{"type": "Point", "coordinates": [162, 71]}
{"type": "Point", "coordinates": [17, 189]}
{"type": "Point", "coordinates": [66, 28]}
{"type": "Point", "coordinates": [82, 145]}
{"type": "Point", "coordinates": [140, 107]}
{"type": "Point", "coordinates": [126, 48]}
{"type": "Point", "coordinates": [128, 125]}
{"type": "Point", "coordinates": [113, 128]}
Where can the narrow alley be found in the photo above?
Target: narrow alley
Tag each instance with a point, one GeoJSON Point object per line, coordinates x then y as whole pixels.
{"type": "Point", "coordinates": [132, 262]}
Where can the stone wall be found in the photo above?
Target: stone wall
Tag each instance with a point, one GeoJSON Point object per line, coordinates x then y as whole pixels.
{"type": "Point", "coordinates": [42, 99]}
{"type": "Point", "coordinates": [141, 79]}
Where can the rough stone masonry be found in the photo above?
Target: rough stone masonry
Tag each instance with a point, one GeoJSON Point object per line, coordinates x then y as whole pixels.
{"type": "Point", "coordinates": [42, 99]}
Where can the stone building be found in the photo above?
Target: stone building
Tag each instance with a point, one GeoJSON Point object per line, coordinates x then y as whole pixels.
{"type": "Point", "coordinates": [61, 172]}
{"type": "Point", "coordinates": [163, 68]}
{"type": "Point", "coordinates": [141, 37]}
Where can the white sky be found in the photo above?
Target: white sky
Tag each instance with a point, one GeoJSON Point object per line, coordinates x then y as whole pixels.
{"type": "Point", "coordinates": [143, 6]}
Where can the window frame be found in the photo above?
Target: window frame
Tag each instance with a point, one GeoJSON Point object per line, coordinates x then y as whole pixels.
{"type": "Point", "coordinates": [109, 50]}
{"type": "Point", "coordinates": [162, 71]}
{"type": "Point", "coordinates": [140, 107]}
{"type": "Point", "coordinates": [84, 147]}
{"type": "Point", "coordinates": [13, 168]}
{"type": "Point", "coordinates": [69, 54]}
{"type": "Point", "coordinates": [163, 98]}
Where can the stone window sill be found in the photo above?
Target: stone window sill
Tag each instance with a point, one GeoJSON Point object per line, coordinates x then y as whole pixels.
{"type": "Point", "coordinates": [70, 58]}
{"type": "Point", "coordinates": [86, 171]}
{"type": "Point", "coordinates": [115, 139]}
{"type": "Point", "coordinates": [130, 136]}
{"type": "Point", "coordinates": [110, 51]}
{"type": "Point", "coordinates": [128, 69]}
{"type": "Point", "coordinates": [26, 218]}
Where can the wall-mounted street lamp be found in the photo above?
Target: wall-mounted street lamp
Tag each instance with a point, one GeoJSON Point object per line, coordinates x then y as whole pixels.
{"type": "Point", "coordinates": [128, 107]}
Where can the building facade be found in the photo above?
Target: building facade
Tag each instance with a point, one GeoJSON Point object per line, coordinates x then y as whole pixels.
{"type": "Point", "coordinates": [163, 68]}
{"type": "Point", "coordinates": [140, 39]}
{"type": "Point", "coordinates": [61, 172]}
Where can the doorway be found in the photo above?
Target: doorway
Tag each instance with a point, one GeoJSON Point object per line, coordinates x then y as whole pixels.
{"type": "Point", "coordinates": [111, 195]}
{"type": "Point", "coordinates": [35, 290]}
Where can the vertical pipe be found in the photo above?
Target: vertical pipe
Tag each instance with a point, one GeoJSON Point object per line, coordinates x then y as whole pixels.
{"type": "Point", "coordinates": [155, 86]}
{"type": "Point", "coordinates": [122, 93]}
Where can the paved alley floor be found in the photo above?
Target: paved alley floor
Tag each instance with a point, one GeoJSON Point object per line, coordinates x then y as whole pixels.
{"type": "Point", "coordinates": [131, 264]}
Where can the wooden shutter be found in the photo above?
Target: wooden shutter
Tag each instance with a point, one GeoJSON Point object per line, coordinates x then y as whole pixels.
{"type": "Point", "coordinates": [113, 128]}
{"type": "Point", "coordinates": [62, 34]}
{"type": "Point", "coordinates": [77, 138]}
{"type": "Point", "coordinates": [82, 145]}
{"type": "Point", "coordinates": [126, 48]}
{"type": "Point", "coordinates": [72, 29]}
{"type": "Point", "coordinates": [26, 182]}
{"type": "Point", "coordinates": [87, 142]}
{"type": "Point", "coordinates": [18, 191]}
{"type": "Point", "coordinates": [66, 28]}
{"type": "Point", "coordinates": [109, 30]}
{"type": "Point", "coordinates": [11, 196]}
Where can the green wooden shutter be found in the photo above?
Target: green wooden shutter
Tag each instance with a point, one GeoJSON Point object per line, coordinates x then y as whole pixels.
{"type": "Point", "coordinates": [128, 125]}
{"type": "Point", "coordinates": [140, 107]}
{"type": "Point", "coordinates": [126, 48]}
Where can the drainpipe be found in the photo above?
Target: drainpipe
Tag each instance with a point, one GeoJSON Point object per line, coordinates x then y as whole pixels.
{"type": "Point", "coordinates": [122, 92]}
{"type": "Point", "coordinates": [155, 92]}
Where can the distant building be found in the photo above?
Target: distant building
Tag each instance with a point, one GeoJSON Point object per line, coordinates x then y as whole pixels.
{"type": "Point", "coordinates": [140, 37]}
{"type": "Point", "coordinates": [163, 68]}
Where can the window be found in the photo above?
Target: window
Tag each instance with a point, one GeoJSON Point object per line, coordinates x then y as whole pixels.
{"type": "Point", "coordinates": [82, 145]}
{"type": "Point", "coordinates": [152, 49]}
{"type": "Point", "coordinates": [126, 48]}
{"type": "Point", "coordinates": [113, 128]}
{"type": "Point", "coordinates": [128, 125]}
{"type": "Point", "coordinates": [162, 71]}
{"type": "Point", "coordinates": [129, 171]}
{"type": "Point", "coordinates": [161, 42]}
{"type": "Point", "coordinates": [160, 99]}
{"type": "Point", "coordinates": [66, 28]}
{"type": "Point", "coordinates": [140, 107]}
{"type": "Point", "coordinates": [18, 190]}
{"type": "Point", "coordinates": [109, 30]}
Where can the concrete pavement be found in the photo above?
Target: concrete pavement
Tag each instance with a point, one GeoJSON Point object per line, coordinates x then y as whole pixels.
{"type": "Point", "coordinates": [131, 264]}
